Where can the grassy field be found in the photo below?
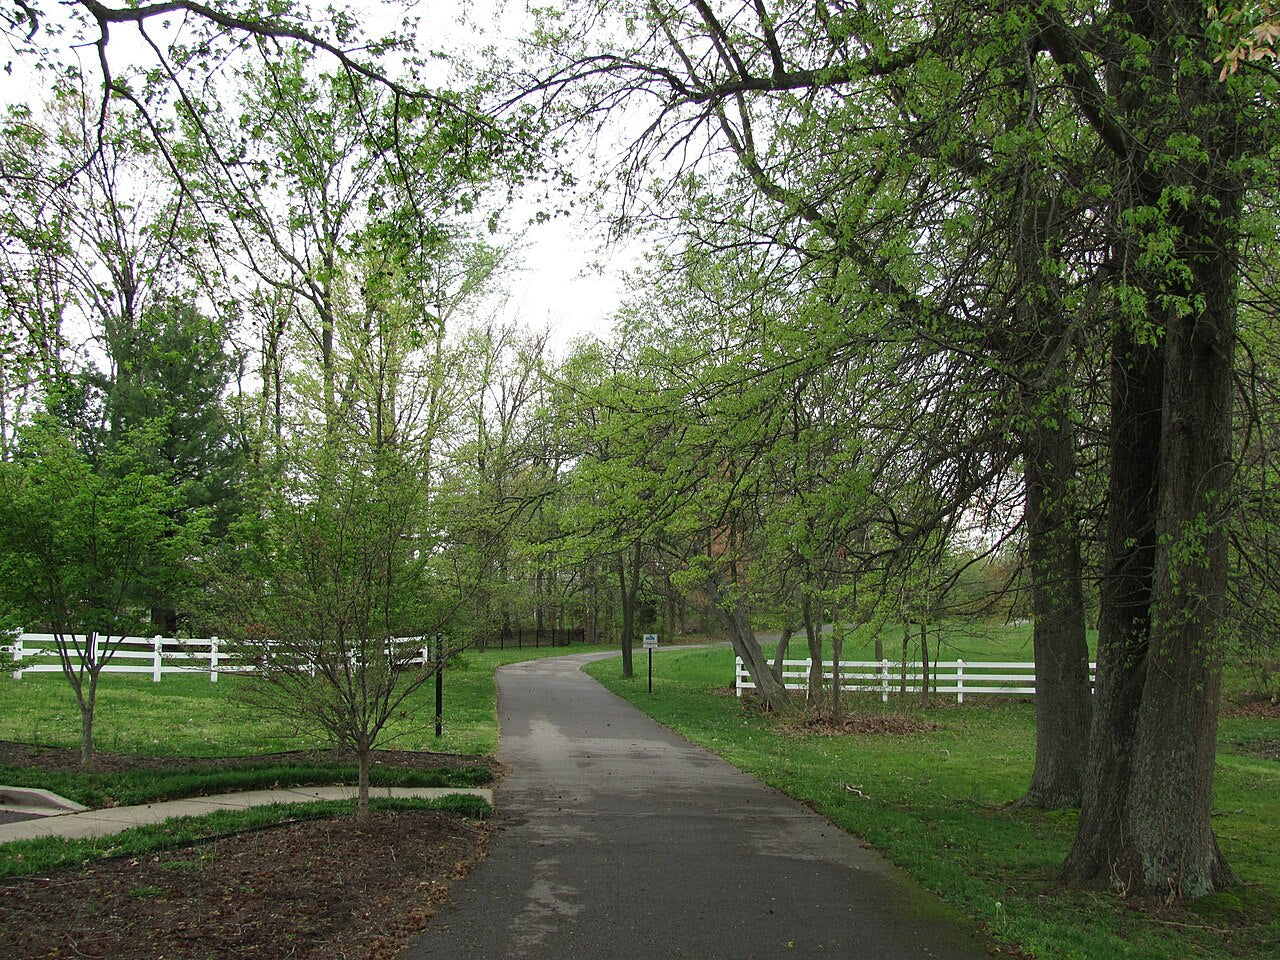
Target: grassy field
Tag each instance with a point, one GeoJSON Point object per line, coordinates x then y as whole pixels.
{"type": "Point", "coordinates": [949, 640]}
{"type": "Point", "coordinates": [187, 716]}
{"type": "Point", "coordinates": [937, 802]}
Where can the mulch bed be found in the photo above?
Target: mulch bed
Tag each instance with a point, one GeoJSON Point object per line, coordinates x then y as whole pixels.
{"type": "Point", "coordinates": [1253, 705]}
{"type": "Point", "coordinates": [313, 890]}
{"type": "Point", "coordinates": [320, 890]}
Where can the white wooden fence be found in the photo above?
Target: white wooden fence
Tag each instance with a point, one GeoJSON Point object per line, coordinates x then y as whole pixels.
{"type": "Point", "coordinates": [38, 653]}
{"type": "Point", "coordinates": [886, 677]}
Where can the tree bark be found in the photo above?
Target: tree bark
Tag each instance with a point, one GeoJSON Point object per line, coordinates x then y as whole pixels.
{"type": "Point", "coordinates": [734, 616]}
{"type": "Point", "coordinates": [924, 663]}
{"type": "Point", "coordinates": [362, 796]}
{"type": "Point", "coordinates": [813, 636]}
{"type": "Point", "coordinates": [1145, 821]}
{"type": "Point", "coordinates": [906, 643]}
{"type": "Point", "coordinates": [1042, 354]}
{"type": "Point", "coordinates": [788, 628]}
{"type": "Point", "coordinates": [837, 681]}
{"type": "Point", "coordinates": [86, 733]}
{"type": "Point", "coordinates": [1063, 702]}
{"type": "Point", "coordinates": [628, 586]}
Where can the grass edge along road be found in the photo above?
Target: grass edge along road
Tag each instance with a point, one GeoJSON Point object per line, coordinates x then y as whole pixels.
{"type": "Point", "coordinates": [937, 800]}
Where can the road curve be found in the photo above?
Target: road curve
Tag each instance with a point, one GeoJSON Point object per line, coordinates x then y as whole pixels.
{"type": "Point", "coordinates": [619, 839]}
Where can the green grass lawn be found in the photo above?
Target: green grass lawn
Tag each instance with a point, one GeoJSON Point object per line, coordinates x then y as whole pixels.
{"type": "Point", "coordinates": [949, 640]}
{"type": "Point", "coordinates": [187, 716]}
{"type": "Point", "coordinates": [937, 802]}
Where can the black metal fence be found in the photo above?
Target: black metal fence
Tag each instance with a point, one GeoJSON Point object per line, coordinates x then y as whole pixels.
{"type": "Point", "coordinates": [519, 637]}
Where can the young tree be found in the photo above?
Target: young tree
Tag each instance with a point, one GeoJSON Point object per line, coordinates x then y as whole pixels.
{"type": "Point", "coordinates": [86, 539]}
{"type": "Point", "coordinates": [342, 580]}
{"type": "Point", "coordinates": [343, 607]}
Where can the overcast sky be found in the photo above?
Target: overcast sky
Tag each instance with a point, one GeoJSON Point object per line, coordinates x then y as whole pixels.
{"type": "Point", "coordinates": [565, 281]}
{"type": "Point", "coordinates": [559, 282]}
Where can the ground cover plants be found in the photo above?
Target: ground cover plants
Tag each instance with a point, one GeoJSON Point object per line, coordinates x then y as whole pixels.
{"type": "Point", "coordinates": [135, 783]}
{"type": "Point", "coordinates": [940, 798]}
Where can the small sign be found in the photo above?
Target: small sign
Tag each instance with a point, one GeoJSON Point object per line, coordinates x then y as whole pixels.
{"type": "Point", "coordinates": [651, 641]}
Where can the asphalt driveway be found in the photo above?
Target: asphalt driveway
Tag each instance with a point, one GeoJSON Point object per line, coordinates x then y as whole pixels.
{"type": "Point", "coordinates": [619, 839]}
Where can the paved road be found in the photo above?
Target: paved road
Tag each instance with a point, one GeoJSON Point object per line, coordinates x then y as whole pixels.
{"type": "Point", "coordinates": [621, 840]}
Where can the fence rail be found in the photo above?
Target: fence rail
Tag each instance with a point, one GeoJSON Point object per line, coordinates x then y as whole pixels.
{"type": "Point", "coordinates": [38, 653]}
{"type": "Point", "coordinates": [891, 676]}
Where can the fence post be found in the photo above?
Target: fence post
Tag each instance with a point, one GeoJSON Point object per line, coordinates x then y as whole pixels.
{"type": "Point", "coordinates": [884, 681]}
{"type": "Point", "coordinates": [17, 657]}
{"type": "Point", "coordinates": [959, 681]}
{"type": "Point", "coordinates": [93, 647]}
{"type": "Point", "coordinates": [156, 644]}
{"type": "Point", "coordinates": [213, 659]}
{"type": "Point", "coordinates": [737, 676]}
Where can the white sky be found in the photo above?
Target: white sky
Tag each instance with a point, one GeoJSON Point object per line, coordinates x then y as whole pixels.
{"type": "Point", "coordinates": [563, 281]}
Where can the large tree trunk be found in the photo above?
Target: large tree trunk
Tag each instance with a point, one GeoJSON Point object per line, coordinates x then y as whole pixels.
{"type": "Point", "coordinates": [628, 568]}
{"type": "Point", "coordinates": [1043, 355]}
{"type": "Point", "coordinates": [1063, 696]}
{"type": "Point", "coordinates": [1124, 621]}
{"type": "Point", "coordinates": [1171, 796]}
{"type": "Point", "coordinates": [1145, 823]}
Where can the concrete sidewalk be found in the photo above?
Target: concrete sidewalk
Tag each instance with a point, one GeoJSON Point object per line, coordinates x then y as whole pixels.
{"type": "Point", "coordinates": [110, 820]}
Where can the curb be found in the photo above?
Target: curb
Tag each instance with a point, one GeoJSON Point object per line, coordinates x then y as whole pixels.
{"type": "Point", "coordinates": [36, 801]}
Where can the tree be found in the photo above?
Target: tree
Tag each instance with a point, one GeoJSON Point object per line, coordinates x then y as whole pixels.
{"type": "Point", "coordinates": [1179, 144]}
{"type": "Point", "coordinates": [341, 579]}
{"type": "Point", "coordinates": [86, 539]}
{"type": "Point", "coordinates": [341, 610]}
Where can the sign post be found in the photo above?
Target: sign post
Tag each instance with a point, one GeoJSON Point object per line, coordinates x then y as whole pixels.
{"type": "Point", "coordinates": [651, 644]}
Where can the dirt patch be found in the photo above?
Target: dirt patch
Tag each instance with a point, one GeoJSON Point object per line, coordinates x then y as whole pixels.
{"type": "Point", "coordinates": [316, 890]}
{"type": "Point", "coordinates": [30, 756]}
{"type": "Point", "coordinates": [891, 724]}
{"type": "Point", "coordinates": [1253, 705]}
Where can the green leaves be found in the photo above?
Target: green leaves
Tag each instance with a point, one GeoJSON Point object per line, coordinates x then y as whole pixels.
{"type": "Point", "coordinates": [86, 544]}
